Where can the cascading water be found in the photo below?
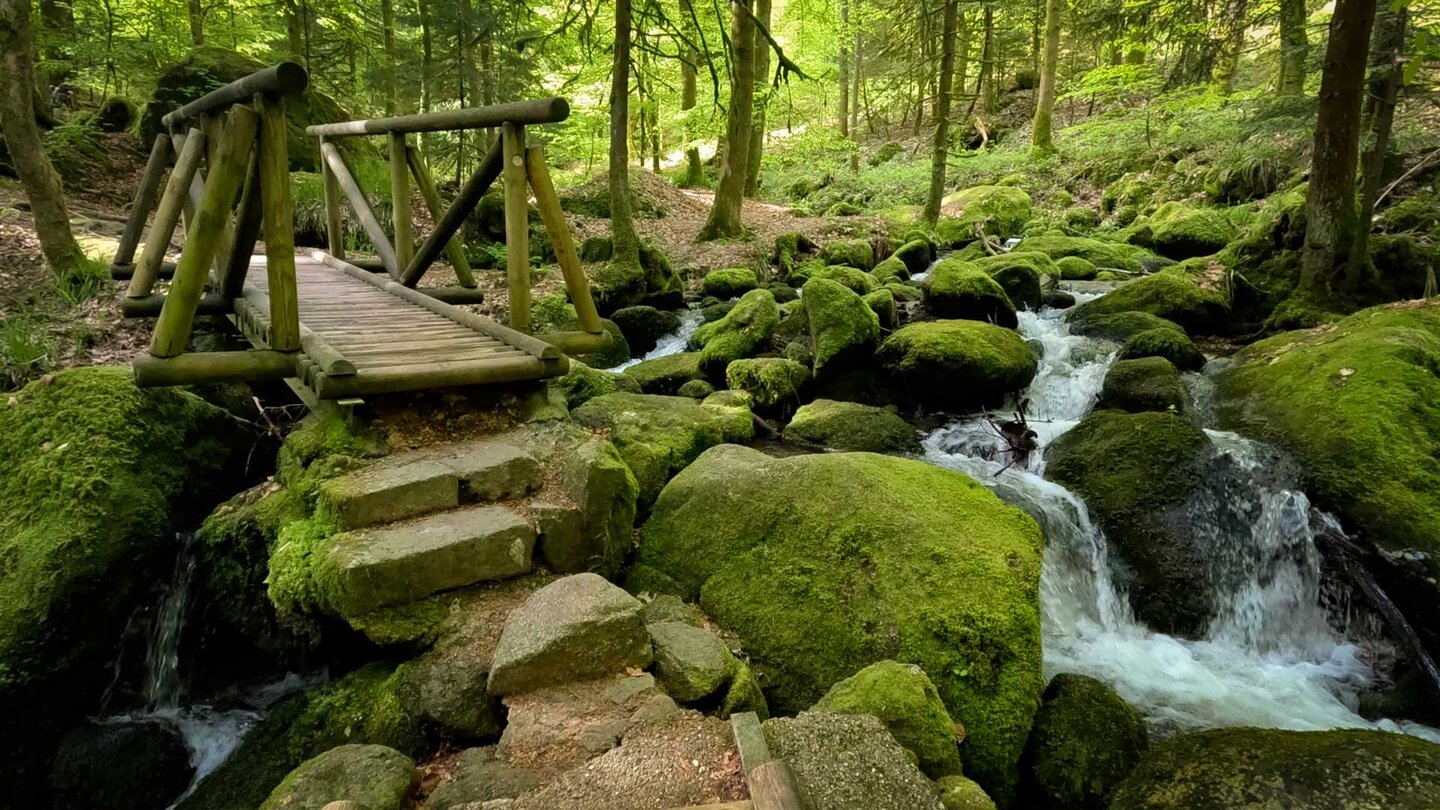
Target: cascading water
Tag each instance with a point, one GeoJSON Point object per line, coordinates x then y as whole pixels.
{"type": "Point", "coordinates": [673, 343]}
{"type": "Point", "coordinates": [162, 655]}
{"type": "Point", "coordinates": [1270, 656]}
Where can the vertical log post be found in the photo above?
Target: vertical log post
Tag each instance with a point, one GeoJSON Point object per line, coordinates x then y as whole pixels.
{"type": "Point", "coordinates": [144, 201]}
{"type": "Point", "coordinates": [167, 215]}
{"type": "Point", "coordinates": [517, 226]}
{"type": "Point", "coordinates": [278, 224]}
{"type": "Point", "coordinates": [334, 235]}
{"type": "Point", "coordinates": [172, 330]}
{"type": "Point", "coordinates": [560, 239]}
{"type": "Point", "coordinates": [401, 215]}
{"type": "Point", "coordinates": [426, 184]}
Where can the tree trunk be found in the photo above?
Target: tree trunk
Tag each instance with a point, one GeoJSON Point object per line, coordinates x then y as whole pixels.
{"type": "Point", "coordinates": [985, 85]}
{"type": "Point", "coordinates": [940, 149]}
{"type": "Point", "coordinates": [22, 136]}
{"type": "Point", "coordinates": [1042, 138]}
{"type": "Point", "coordinates": [689, 64]}
{"type": "Point", "coordinates": [844, 68]}
{"type": "Point", "coordinates": [1330, 201]}
{"type": "Point", "coordinates": [387, 30]}
{"type": "Point", "coordinates": [1387, 51]}
{"type": "Point", "coordinates": [1227, 59]}
{"type": "Point", "coordinates": [762, 100]}
{"type": "Point", "coordinates": [725, 219]}
{"type": "Point", "coordinates": [855, 77]}
{"type": "Point", "coordinates": [1294, 47]}
{"type": "Point", "coordinates": [294, 33]}
{"type": "Point", "coordinates": [196, 13]}
{"type": "Point", "coordinates": [427, 70]}
{"type": "Point", "coordinates": [622, 221]}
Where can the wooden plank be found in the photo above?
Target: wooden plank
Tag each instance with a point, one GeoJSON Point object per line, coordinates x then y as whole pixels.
{"type": "Point", "coordinates": [445, 229]}
{"type": "Point", "coordinates": [517, 227]}
{"type": "Point", "coordinates": [144, 201]}
{"type": "Point", "coordinates": [361, 207]}
{"type": "Point", "coordinates": [172, 330]}
{"type": "Point", "coordinates": [749, 739]}
{"type": "Point", "coordinates": [401, 215]}
{"type": "Point", "coordinates": [277, 219]}
{"type": "Point", "coordinates": [774, 787]}
{"type": "Point", "coordinates": [453, 249]}
{"type": "Point", "coordinates": [561, 240]}
{"type": "Point", "coordinates": [421, 377]}
{"type": "Point", "coordinates": [316, 347]}
{"type": "Point", "coordinates": [255, 365]}
{"type": "Point", "coordinates": [167, 216]}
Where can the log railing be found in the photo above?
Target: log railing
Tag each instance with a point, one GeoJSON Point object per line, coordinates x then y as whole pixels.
{"type": "Point", "coordinates": [521, 168]}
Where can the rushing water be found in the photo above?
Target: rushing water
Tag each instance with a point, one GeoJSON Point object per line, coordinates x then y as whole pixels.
{"type": "Point", "coordinates": [673, 343]}
{"type": "Point", "coordinates": [162, 655]}
{"type": "Point", "coordinates": [1270, 657]}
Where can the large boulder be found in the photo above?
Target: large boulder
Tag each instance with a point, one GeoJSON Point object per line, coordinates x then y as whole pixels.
{"type": "Point", "coordinates": [743, 332]}
{"type": "Point", "coordinates": [960, 289]}
{"type": "Point", "coordinates": [905, 700]}
{"type": "Point", "coordinates": [917, 255]}
{"type": "Point", "coordinates": [691, 662]}
{"type": "Point", "coordinates": [852, 426]}
{"type": "Point", "coordinates": [665, 375]}
{"type": "Point", "coordinates": [996, 211]}
{"type": "Point", "coordinates": [1357, 403]}
{"type": "Point", "coordinates": [96, 476]}
{"type": "Point", "coordinates": [1252, 768]}
{"type": "Point", "coordinates": [1146, 384]}
{"type": "Point", "coordinates": [1170, 295]}
{"type": "Point", "coordinates": [1085, 741]}
{"type": "Point", "coordinates": [1020, 274]}
{"type": "Point", "coordinates": [857, 253]}
{"type": "Point", "coordinates": [1171, 344]}
{"type": "Point", "coordinates": [843, 329]}
{"type": "Point", "coordinates": [845, 761]}
{"type": "Point", "coordinates": [583, 383]}
{"type": "Point", "coordinates": [1103, 254]}
{"type": "Point", "coordinates": [1179, 231]}
{"type": "Point", "coordinates": [856, 280]}
{"type": "Point", "coordinates": [729, 282]}
{"type": "Point", "coordinates": [658, 436]}
{"type": "Point", "coordinates": [1116, 326]}
{"type": "Point", "coordinates": [123, 765]}
{"type": "Point", "coordinates": [956, 364]}
{"type": "Point", "coordinates": [644, 326]}
{"type": "Point", "coordinates": [823, 564]}
{"type": "Point", "coordinates": [373, 777]}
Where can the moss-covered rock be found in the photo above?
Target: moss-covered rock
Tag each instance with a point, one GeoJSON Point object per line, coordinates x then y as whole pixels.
{"type": "Point", "coordinates": [882, 303]}
{"type": "Point", "coordinates": [1103, 253]}
{"type": "Point", "coordinates": [775, 385]}
{"type": "Point", "coordinates": [1224, 769]}
{"type": "Point", "coordinates": [905, 700]}
{"type": "Point", "coordinates": [905, 292]}
{"type": "Point", "coordinates": [1075, 268]}
{"type": "Point", "coordinates": [1020, 275]}
{"type": "Point", "coordinates": [858, 253]}
{"type": "Point", "coordinates": [1136, 472]}
{"type": "Point", "coordinates": [1145, 384]}
{"type": "Point", "coordinates": [616, 285]}
{"type": "Point", "coordinates": [960, 289]}
{"type": "Point", "coordinates": [555, 313]}
{"type": "Point", "coordinates": [643, 326]}
{"type": "Point", "coordinates": [892, 269]}
{"type": "Point", "coordinates": [961, 793]}
{"type": "Point", "coordinates": [729, 399]}
{"type": "Point", "coordinates": [665, 375]}
{"type": "Point", "coordinates": [1171, 344]}
{"type": "Point", "coordinates": [790, 250]}
{"type": "Point", "coordinates": [658, 436]}
{"type": "Point", "coordinates": [1119, 326]}
{"type": "Point", "coordinates": [1079, 221]}
{"type": "Point", "coordinates": [1173, 296]}
{"type": "Point", "coordinates": [852, 426]}
{"type": "Point", "coordinates": [1180, 231]}
{"type": "Point", "coordinates": [995, 211]}
{"type": "Point", "coordinates": [583, 383]}
{"type": "Point", "coordinates": [826, 563]}
{"type": "Point", "coordinates": [1357, 403]}
{"type": "Point", "coordinates": [956, 364]}
{"type": "Point", "coordinates": [744, 331]}
{"type": "Point", "coordinates": [696, 389]}
{"type": "Point", "coordinates": [1085, 741]}
{"type": "Point", "coordinates": [371, 776]}
{"type": "Point", "coordinates": [121, 764]}
{"type": "Point", "coordinates": [96, 476]}
{"type": "Point", "coordinates": [363, 707]}
{"type": "Point", "coordinates": [856, 280]}
{"type": "Point", "coordinates": [916, 254]}
{"type": "Point", "coordinates": [843, 328]}
{"type": "Point", "coordinates": [729, 282]}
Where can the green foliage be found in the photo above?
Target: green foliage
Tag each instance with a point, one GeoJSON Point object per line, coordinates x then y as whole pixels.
{"type": "Point", "coordinates": [26, 350]}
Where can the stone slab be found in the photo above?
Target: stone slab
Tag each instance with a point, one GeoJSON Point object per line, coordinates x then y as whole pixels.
{"type": "Point", "coordinates": [493, 470]}
{"type": "Point", "coordinates": [389, 491]}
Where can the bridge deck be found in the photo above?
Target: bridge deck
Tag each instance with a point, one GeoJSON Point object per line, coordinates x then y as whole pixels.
{"type": "Point", "coordinates": [395, 339]}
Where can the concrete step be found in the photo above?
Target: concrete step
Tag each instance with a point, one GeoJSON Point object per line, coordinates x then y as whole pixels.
{"type": "Point", "coordinates": [400, 563]}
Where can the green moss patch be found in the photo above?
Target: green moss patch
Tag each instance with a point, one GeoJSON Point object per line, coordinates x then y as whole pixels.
{"type": "Point", "coordinates": [1146, 384]}
{"type": "Point", "coordinates": [843, 328]}
{"type": "Point", "coordinates": [960, 289]}
{"type": "Point", "coordinates": [852, 426]}
{"type": "Point", "coordinates": [775, 385]}
{"type": "Point", "coordinates": [956, 364]}
{"type": "Point", "coordinates": [744, 331]}
{"type": "Point", "coordinates": [1173, 296]}
{"type": "Point", "coordinates": [730, 282]}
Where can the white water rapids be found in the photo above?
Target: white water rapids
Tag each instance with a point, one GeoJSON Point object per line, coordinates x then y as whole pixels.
{"type": "Point", "coordinates": [1270, 658]}
{"type": "Point", "coordinates": [673, 343]}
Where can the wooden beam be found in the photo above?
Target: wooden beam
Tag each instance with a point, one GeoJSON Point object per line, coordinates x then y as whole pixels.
{"type": "Point", "coordinates": [454, 295]}
{"type": "Point", "coordinates": [144, 201]}
{"type": "Point", "coordinates": [453, 249]}
{"type": "Point", "coordinates": [172, 331]}
{"type": "Point", "coordinates": [538, 111]}
{"type": "Point", "coordinates": [167, 216]}
{"type": "Point", "coordinates": [283, 79]}
{"type": "Point", "coordinates": [151, 305]}
{"type": "Point", "coordinates": [361, 207]}
{"type": "Point", "coordinates": [774, 787]}
{"type": "Point", "coordinates": [480, 182]}
{"type": "Point", "coordinates": [196, 189]}
{"type": "Point", "coordinates": [125, 272]}
{"type": "Point", "coordinates": [256, 365]}
{"type": "Point", "coordinates": [423, 376]}
{"type": "Point", "coordinates": [576, 343]}
{"type": "Point", "coordinates": [214, 127]}
{"type": "Point", "coordinates": [561, 240]}
{"type": "Point", "coordinates": [334, 230]}
{"type": "Point", "coordinates": [277, 218]}
{"type": "Point", "coordinates": [517, 227]}
{"type": "Point", "coordinates": [401, 215]}
{"type": "Point", "coordinates": [247, 232]}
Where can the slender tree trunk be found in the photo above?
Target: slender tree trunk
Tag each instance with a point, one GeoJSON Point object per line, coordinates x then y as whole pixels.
{"type": "Point", "coordinates": [844, 68]}
{"type": "Point", "coordinates": [1330, 201]}
{"type": "Point", "coordinates": [940, 149]}
{"type": "Point", "coordinates": [985, 91]}
{"type": "Point", "coordinates": [725, 217]}
{"type": "Point", "coordinates": [427, 70]}
{"type": "Point", "coordinates": [694, 170]}
{"type": "Point", "coordinates": [762, 101]}
{"type": "Point", "coordinates": [1227, 60]}
{"type": "Point", "coordinates": [1042, 137]}
{"type": "Point", "coordinates": [1387, 50]}
{"type": "Point", "coordinates": [1294, 48]}
{"type": "Point", "coordinates": [387, 31]}
{"type": "Point", "coordinates": [196, 13]}
{"type": "Point", "coordinates": [22, 137]}
{"type": "Point", "coordinates": [622, 221]}
{"type": "Point", "coordinates": [294, 33]}
{"type": "Point", "coordinates": [856, 72]}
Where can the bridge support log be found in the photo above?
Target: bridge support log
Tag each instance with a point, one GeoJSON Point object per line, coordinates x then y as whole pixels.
{"type": "Point", "coordinates": [401, 215]}
{"type": "Point", "coordinates": [480, 182]}
{"type": "Point", "coordinates": [167, 216]}
{"type": "Point", "coordinates": [361, 207]}
{"type": "Point", "coordinates": [256, 365]}
{"type": "Point", "coordinates": [125, 272]}
{"type": "Point", "coordinates": [453, 249]}
{"type": "Point", "coordinates": [334, 235]}
{"type": "Point", "coordinates": [151, 305]}
{"type": "Point", "coordinates": [247, 231]}
{"type": "Point", "coordinates": [517, 226]}
{"type": "Point", "coordinates": [144, 201]}
{"type": "Point", "coordinates": [561, 240]}
{"type": "Point", "coordinates": [278, 224]}
{"type": "Point", "coordinates": [578, 342]}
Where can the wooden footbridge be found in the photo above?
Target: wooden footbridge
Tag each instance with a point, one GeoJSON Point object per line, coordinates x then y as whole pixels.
{"type": "Point", "coordinates": [337, 328]}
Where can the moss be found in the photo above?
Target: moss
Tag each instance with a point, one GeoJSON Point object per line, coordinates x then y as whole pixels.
{"type": "Point", "coordinates": [886, 153]}
{"type": "Point", "coordinates": [1168, 295]}
{"type": "Point", "coordinates": [363, 707]}
{"type": "Point", "coordinates": [1179, 231]}
{"type": "Point", "coordinates": [730, 282]}
{"type": "Point", "coordinates": [729, 399]}
{"type": "Point", "coordinates": [696, 389]}
{"type": "Point", "coordinates": [892, 269]}
{"type": "Point", "coordinates": [744, 331]}
{"type": "Point", "coordinates": [1171, 344]}
{"type": "Point", "coordinates": [843, 328]}
{"type": "Point", "coordinates": [956, 364]}
{"type": "Point", "coordinates": [1136, 472]}
{"type": "Point", "coordinates": [802, 272]}
{"type": "Point", "coordinates": [659, 436]}
{"type": "Point", "coordinates": [743, 695]}
{"type": "Point", "coordinates": [370, 776]}
{"type": "Point", "coordinates": [1119, 326]}
{"type": "Point", "coordinates": [1135, 190]}
{"type": "Point", "coordinates": [555, 313]}
{"type": "Point", "coordinates": [790, 250]}
{"type": "Point", "coordinates": [852, 426]}
{"type": "Point", "coordinates": [1079, 221]}
{"type": "Point", "coordinates": [643, 326]}
{"type": "Point", "coordinates": [1348, 769]}
{"type": "Point", "coordinates": [1357, 403]}
{"type": "Point", "coordinates": [917, 254]}
{"type": "Point", "coordinates": [583, 383]}
{"type": "Point", "coordinates": [850, 253]}
{"type": "Point", "coordinates": [616, 285]}
{"type": "Point", "coordinates": [1102, 253]}
{"type": "Point", "coordinates": [665, 375]}
{"type": "Point", "coordinates": [825, 563]}
{"type": "Point", "coordinates": [1038, 263]}
{"type": "Point", "coordinates": [1021, 276]}
{"type": "Point", "coordinates": [958, 289]}
{"type": "Point", "coordinates": [905, 700]}
{"type": "Point", "coordinates": [844, 209]}
{"type": "Point", "coordinates": [882, 303]}
{"type": "Point", "coordinates": [1075, 268]}
{"type": "Point", "coordinates": [905, 292]}
{"type": "Point", "coordinates": [784, 293]}
{"type": "Point", "coordinates": [1085, 741]}
{"type": "Point", "coordinates": [996, 211]}
{"type": "Point", "coordinates": [960, 793]}
{"type": "Point", "coordinates": [1146, 384]}
{"type": "Point", "coordinates": [857, 281]}
{"type": "Point", "coordinates": [775, 385]}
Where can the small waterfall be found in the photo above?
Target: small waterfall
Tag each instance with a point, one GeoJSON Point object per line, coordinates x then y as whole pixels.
{"type": "Point", "coordinates": [162, 655]}
{"type": "Point", "coordinates": [673, 343]}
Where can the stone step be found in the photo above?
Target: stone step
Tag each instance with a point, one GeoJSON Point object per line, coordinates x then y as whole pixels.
{"type": "Point", "coordinates": [432, 480]}
{"type": "Point", "coordinates": [400, 563]}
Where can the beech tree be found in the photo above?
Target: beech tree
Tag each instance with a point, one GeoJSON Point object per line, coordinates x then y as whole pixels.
{"type": "Point", "coordinates": [1042, 137]}
{"type": "Point", "coordinates": [940, 147]}
{"type": "Point", "coordinates": [725, 216]}
{"type": "Point", "coordinates": [622, 222]}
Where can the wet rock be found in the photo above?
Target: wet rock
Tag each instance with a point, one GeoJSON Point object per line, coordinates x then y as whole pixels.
{"type": "Point", "coordinates": [479, 775]}
{"type": "Point", "coordinates": [844, 761]}
{"type": "Point", "coordinates": [644, 326]}
{"type": "Point", "coordinates": [882, 303]}
{"type": "Point", "coordinates": [916, 254]}
{"type": "Point", "coordinates": [1057, 299]}
{"type": "Point", "coordinates": [892, 270]}
{"type": "Point", "coordinates": [125, 765]}
{"type": "Point", "coordinates": [1020, 274]}
{"type": "Point", "coordinates": [1085, 741]}
{"type": "Point", "coordinates": [665, 375]}
{"type": "Point", "coordinates": [956, 364]}
{"type": "Point", "coordinates": [1104, 254]}
{"type": "Point", "coordinates": [852, 426]}
{"type": "Point", "coordinates": [691, 662]}
{"type": "Point", "coordinates": [959, 289]}
{"type": "Point", "coordinates": [1118, 326]}
{"type": "Point", "coordinates": [1148, 384]}
{"type": "Point", "coordinates": [904, 699]}
{"type": "Point", "coordinates": [372, 776]}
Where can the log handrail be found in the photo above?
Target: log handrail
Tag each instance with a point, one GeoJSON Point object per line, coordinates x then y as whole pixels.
{"type": "Point", "coordinates": [524, 113]}
{"type": "Point", "coordinates": [284, 79]}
